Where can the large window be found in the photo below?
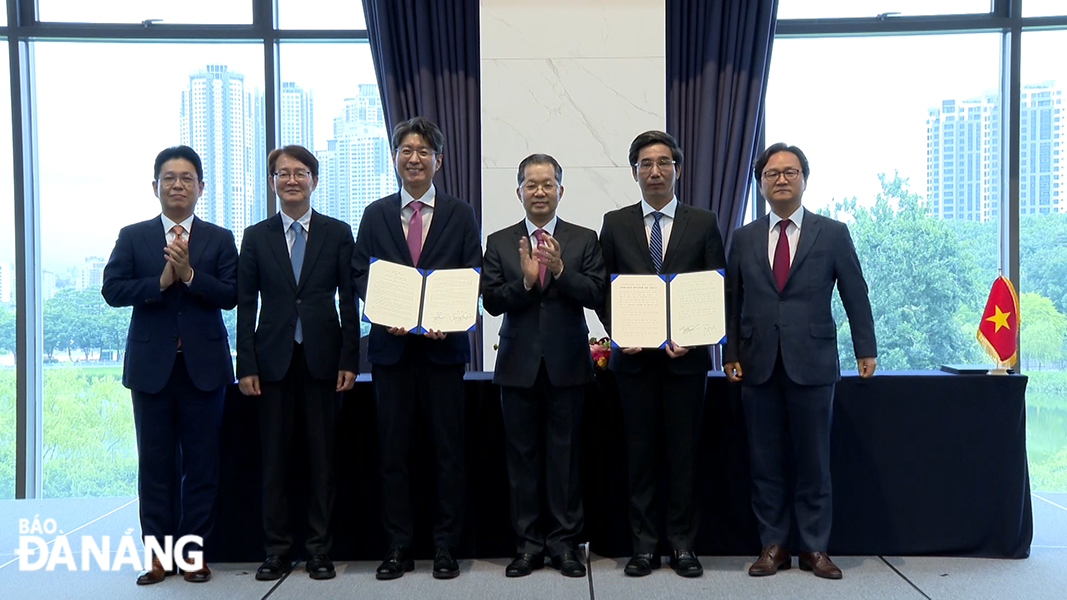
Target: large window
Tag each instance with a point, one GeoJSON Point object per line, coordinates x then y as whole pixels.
{"type": "Point", "coordinates": [95, 167]}
{"type": "Point", "coordinates": [910, 142]}
{"type": "Point", "coordinates": [1043, 255]}
{"type": "Point", "coordinates": [907, 152]}
{"type": "Point", "coordinates": [7, 295]}
{"type": "Point", "coordinates": [100, 105]}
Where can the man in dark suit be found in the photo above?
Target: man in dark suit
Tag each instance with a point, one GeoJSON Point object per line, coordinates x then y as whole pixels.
{"type": "Point", "coordinates": [661, 235]}
{"type": "Point", "coordinates": [782, 336]}
{"type": "Point", "coordinates": [539, 274]}
{"type": "Point", "coordinates": [299, 357]}
{"type": "Point", "coordinates": [178, 273]}
{"type": "Point", "coordinates": [418, 374]}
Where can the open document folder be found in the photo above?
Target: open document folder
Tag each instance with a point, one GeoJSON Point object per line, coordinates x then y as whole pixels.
{"type": "Point", "coordinates": [421, 299]}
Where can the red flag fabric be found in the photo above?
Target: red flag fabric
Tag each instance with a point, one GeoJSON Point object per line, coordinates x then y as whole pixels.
{"type": "Point", "coordinates": [999, 328]}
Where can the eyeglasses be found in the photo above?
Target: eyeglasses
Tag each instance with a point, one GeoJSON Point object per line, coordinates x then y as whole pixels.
{"type": "Point", "coordinates": [772, 176]}
{"type": "Point", "coordinates": [406, 152]}
{"type": "Point", "coordinates": [297, 175]}
{"type": "Point", "coordinates": [169, 179]}
{"type": "Point", "coordinates": [663, 164]}
{"type": "Point", "coordinates": [531, 187]}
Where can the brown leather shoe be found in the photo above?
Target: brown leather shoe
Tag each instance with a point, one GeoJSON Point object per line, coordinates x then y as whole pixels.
{"type": "Point", "coordinates": [201, 575]}
{"type": "Point", "coordinates": [154, 574]}
{"type": "Point", "coordinates": [820, 564]}
{"type": "Point", "coordinates": [772, 559]}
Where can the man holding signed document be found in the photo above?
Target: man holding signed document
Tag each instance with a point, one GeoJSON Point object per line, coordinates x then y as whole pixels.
{"type": "Point", "coordinates": [418, 344]}
{"type": "Point", "coordinates": [663, 363]}
{"type": "Point", "coordinates": [540, 273]}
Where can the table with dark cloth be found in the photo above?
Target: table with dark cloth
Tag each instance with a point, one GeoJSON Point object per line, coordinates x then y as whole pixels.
{"type": "Point", "coordinates": [924, 463]}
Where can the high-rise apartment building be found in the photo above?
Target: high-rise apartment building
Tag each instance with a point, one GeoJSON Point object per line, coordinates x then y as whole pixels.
{"type": "Point", "coordinates": [222, 121]}
{"type": "Point", "coordinates": [964, 149]}
{"type": "Point", "coordinates": [355, 168]}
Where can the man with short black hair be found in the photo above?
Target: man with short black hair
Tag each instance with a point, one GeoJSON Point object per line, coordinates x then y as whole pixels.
{"type": "Point", "coordinates": [295, 353]}
{"type": "Point", "coordinates": [178, 273]}
{"type": "Point", "coordinates": [660, 235]}
{"type": "Point", "coordinates": [540, 273]}
{"type": "Point", "coordinates": [782, 338]}
{"type": "Point", "coordinates": [419, 375]}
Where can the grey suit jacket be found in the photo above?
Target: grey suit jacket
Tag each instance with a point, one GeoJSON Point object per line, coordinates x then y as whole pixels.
{"type": "Point", "coordinates": [798, 319]}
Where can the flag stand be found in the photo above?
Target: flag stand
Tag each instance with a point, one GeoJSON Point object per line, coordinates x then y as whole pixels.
{"type": "Point", "coordinates": [998, 371]}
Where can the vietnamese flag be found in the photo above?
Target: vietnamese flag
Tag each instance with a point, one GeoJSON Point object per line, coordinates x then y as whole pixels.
{"type": "Point", "coordinates": [999, 328]}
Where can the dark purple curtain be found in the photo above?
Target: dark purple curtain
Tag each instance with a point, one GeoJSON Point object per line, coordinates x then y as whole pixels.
{"type": "Point", "coordinates": [427, 60]}
{"type": "Point", "coordinates": [718, 56]}
{"type": "Point", "coordinates": [426, 56]}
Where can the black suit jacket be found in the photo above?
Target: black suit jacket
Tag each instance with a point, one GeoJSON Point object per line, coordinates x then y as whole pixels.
{"type": "Point", "coordinates": [798, 319]}
{"type": "Point", "coordinates": [695, 245]}
{"type": "Point", "coordinates": [453, 241]}
{"type": "Point", "coordinates": [265, 273]}
{"type": "Point", "coordinates": [544, 323]}
{"type": "Point", "coordinates": [192, 313]}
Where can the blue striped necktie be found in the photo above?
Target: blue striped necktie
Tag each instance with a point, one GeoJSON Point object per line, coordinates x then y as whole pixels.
{"type": "Point", "coordinates": [655, 242]}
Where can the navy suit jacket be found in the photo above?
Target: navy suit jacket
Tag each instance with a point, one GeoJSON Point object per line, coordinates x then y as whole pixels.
{"type": "Point", "coordinates": [192, 313]}
{"type": "Point", "coordinates": [265, 274]}
{"type": "Point", "coordinates": [798, 319]}
{"type": "Point", "coordinates": [453, 241]}
{"type": "Point", "coordinates": [544, 323]}
{"type": "Point", "coordinates": [695, 245]}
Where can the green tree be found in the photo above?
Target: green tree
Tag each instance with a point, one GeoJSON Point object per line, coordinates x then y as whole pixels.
{"type": "Point", "coordinates": [1042, 330]}
{"type": "Point", "coordinates": [7, 330]}
{"type": "Point", "coordinates": [919, 277]}
{"type": "Point", "coordinates": [80, 319]}
{"type": "Point", "coordinates": [1043, 257]}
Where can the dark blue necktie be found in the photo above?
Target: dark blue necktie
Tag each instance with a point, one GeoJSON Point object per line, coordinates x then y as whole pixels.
{"type": "Point", "coordinates": [655, 242]}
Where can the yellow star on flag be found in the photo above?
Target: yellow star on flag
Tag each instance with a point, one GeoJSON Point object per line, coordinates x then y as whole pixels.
{"type": "Point", "coordinates": [1000, 319]}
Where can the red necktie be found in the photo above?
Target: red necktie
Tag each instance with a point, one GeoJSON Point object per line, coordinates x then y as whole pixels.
{"type": "Point", "coordinates": [541, 268]}
{"type": "Point", "coordinates": [781, 256]}
{"type": "Point", "coordinates": [415, 232]}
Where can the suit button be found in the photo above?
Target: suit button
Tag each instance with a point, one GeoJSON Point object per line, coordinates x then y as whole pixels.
{"type": "Point", "coordinates": [298, 301]}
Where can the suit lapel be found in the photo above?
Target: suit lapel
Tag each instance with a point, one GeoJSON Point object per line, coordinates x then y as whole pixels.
{"type": "Point", "coordinates": [808, 234]}
{"type": "Point", "coordinates": [762, 239]}
{"type": "Point", "coordinates": [392, 224]}
{"type": "Point", "coordinates": [681, 219]}
{"type": "Point", "coordinates": [155, 240]}
{"type": "Point", "coordinates": [316, 240]}
{"type": "Point", "coordinates": [197, 242]}
{"type": "Point", "coordinates": [640, 240]}
{"type": "Point", "coordinates": [279, 247]}
{"type": "Point", "coordinates": [442, 213]}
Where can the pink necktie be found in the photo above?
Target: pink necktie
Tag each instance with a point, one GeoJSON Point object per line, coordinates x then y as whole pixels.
{"type": "Point", "coordinates": [781, 256]}
{"type": "Point", "coordinates": [541, 268]}
{"type": "Point", "coordinates": [415, 232]}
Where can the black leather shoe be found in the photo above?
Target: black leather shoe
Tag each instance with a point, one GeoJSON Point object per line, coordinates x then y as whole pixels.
{"type": "Point", "coordinates": [524, 564]}
{"type": "Point", "coordinates": [569, 564]}
{"type": "Point", "coordinates": [396, 563]}
{"type": "Point", "coordinates": [274, 567]}
{"type": "Point", "coordinates": [642, 564]}
{"type": "Point", "coordinates": [686, 564]}
{"type": "Point", "coordinates": [320, 566]}
{"type": "Point", "coordinates": [444, 566]}
{"type": "Point", "coordinates": [201, 575]}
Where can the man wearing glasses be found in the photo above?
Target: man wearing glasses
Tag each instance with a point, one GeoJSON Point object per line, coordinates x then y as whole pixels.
{"type": "Point", "coordinates": [419, 375]}
{"type": "Point", "coordinates": [298, 357]}
{"type": "Point", "coordinates": [781, 344]}
{"type": "Point", "coordinates": [178, 273]}
{"type": "Point", "coordinates": [661, 390]}
{"type": "Point", "coordinates": [540, 273]}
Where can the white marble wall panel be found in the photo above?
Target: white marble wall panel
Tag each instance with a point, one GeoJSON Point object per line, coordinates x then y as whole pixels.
{"type": "Point", "coordinates": [578, 80]}
{"type": "Point", "coordinates": [572, 28]}
{"type": "Point", "coordinates": [585, 112]}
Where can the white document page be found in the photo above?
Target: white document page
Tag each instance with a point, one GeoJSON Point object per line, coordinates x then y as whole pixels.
{"type": "Point", "coordinates": [698, 308]}
{"type": "Point", "coordinates": [451, 301]}
{"type": "Point", "coordinates": [638, 311]}
{"type": "Point", "coordinates": [394, 293]}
